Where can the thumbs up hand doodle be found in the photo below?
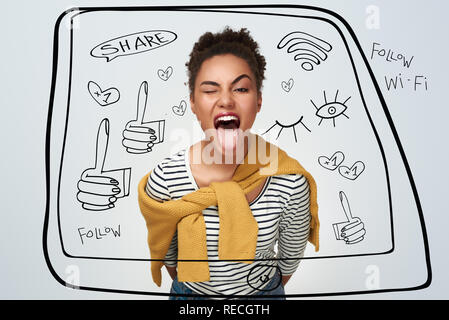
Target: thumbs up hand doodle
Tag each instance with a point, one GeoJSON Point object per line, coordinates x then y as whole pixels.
{"type": "Point", "coordinates": [139, 136]}
{"type": "Point", "coordinates": [99, 189]}
{"type": "Point", "coordinates": [351, 231]}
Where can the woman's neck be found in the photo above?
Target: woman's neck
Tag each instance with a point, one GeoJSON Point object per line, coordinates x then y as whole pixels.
{"type": "Point", "coordinates": [203, 154]}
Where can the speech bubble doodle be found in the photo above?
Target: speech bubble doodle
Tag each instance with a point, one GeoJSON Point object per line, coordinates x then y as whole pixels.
{"type": "Point", "coordinates": [333, 162]}
{"type": "Point", "coordinates": [133, 44]}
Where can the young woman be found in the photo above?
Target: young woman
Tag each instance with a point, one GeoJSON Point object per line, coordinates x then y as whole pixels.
{"type": "Point", "coordinates": [226, 72]}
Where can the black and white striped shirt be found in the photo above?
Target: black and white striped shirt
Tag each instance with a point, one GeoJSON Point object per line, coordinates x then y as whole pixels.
{"type": "Point", "coordinates": [281, 211]}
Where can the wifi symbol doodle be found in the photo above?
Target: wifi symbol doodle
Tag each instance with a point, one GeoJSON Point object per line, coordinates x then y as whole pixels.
{"type": "Point", "coordinates": [310, 50]}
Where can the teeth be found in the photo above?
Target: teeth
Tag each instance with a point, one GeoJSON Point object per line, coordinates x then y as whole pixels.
{"type": "Point", "coordinates": [227, 118]}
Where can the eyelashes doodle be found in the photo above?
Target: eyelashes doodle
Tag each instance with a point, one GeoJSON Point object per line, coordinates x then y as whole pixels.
{"type": "Point", "coordinates": [310, 50]}
{"type": "Point", "coordinates": [139, 136]}
{"type": "Point", "coordinates": [103, 97]}
{"type": "Point", "coordinates": [332, 109]}
{"type": "Point", "coordinates": [98, 189]}
{"type": "Point", "coordinates": [336, 160]}
{"type": "Point", "coordinates": [278, 126]}
{"type": "Point", "coordinates": [353, 229]}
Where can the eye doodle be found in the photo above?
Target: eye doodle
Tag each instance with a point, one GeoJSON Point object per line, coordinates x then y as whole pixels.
{"type": "Point", "coordinates": [331, 110]}
{"type": "Point", "coordinates": [278, 126]}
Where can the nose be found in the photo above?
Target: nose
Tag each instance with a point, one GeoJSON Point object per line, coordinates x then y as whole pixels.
{"type": "Point", "coordinates": [226, 100]}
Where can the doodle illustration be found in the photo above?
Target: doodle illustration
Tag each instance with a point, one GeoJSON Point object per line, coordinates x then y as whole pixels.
{"type": "Point", "coordinates": [278, 126]}
{"type": "Point", "coordinates": [103, 97]}
{"type": "Point", "coordinates": [165, 74]}
{"type": "Point", "coordinates": [351, 231]}
{"type": "Point", "coordinates": [331, 110]}
{"type": "Point", "coordinates": [287, 86]}
{"type": "Point", "coordinates": [259, 275]}
{"type": "Point", "coordinates": [346, 139]}
{"type": "Point", "coordinates": [353, 172]}
{"type": "Point", "coordinates": [139, 136]}
{"type": "Point", "coordinates": [310, 49]}
{"type": "Point", "coordinates": [100, 189]}
{"type": "Point", "coordinates": [181, 109]}
{"type": "Point", "coordinates": [333, 162]}
{"type": "Point", "coordinates": [133, 44]}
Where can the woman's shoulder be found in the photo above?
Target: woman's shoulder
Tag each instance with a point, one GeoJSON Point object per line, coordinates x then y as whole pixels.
{"type": "Point", "coordinates": [173, 158]}
{"type": "Point", "coordinates": [157, 181]}
{"type": "Point", "coordinates": [290, 185]}
{"type": "Point", "coordinates": [290, 179]}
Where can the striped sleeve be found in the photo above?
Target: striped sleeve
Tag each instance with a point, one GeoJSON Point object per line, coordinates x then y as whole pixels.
{"type": "Point", "coordinates": [156, 186]}
{"type": "Point", "coordinates": [157, 189]}
{"type": "Point", "coordinates": [294, 226]}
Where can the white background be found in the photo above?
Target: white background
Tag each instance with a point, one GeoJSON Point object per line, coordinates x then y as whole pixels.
{"type": "Point", "coordinates": [420, 117]}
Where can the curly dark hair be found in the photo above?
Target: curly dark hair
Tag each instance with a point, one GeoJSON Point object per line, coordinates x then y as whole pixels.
{"type": "Point", "coordinates": [239, 43]}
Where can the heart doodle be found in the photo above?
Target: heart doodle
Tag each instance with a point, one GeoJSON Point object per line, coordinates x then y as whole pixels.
{"type": "Point", "coordinates": [287, 86]}
{"type": "Point", "coordinates": [333, 162]}
{"type": "Point", "coordinates": [165, 75]}
{"type": "Point", "coordinates": [353, 172]}
{"type": "Point", "coordinates": [103, 97]}
{"type": "Point", "coordinates": [181, 109]}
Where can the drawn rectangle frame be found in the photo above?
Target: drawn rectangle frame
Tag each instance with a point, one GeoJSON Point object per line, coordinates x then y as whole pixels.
{"type": "Point", "coordinates": [226, 8]}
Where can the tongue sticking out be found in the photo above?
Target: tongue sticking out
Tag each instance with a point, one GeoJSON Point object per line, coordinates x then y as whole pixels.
{"type": "Point", "coordinates": [228, 133]}
{"type": "Point", "coordinates": [227, 138]}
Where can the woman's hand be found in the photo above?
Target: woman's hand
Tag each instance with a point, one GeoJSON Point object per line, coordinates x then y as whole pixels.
{"type": "Point", "coordinates": [172, 272]}
{"type": "Point", "coordinates": [285, 279]}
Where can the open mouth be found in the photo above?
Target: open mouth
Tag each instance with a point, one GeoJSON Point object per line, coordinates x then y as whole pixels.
{"type": "Point", "coordinates": [227, 126]}
{"type": "Point", "coordinates": [227, 122]}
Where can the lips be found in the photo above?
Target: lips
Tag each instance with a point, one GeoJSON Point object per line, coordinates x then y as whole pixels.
{"type": "Point", "coordinates": [227, 120]}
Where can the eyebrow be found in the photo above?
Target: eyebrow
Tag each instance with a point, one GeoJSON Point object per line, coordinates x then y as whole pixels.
{"type": "Point", "coordinates": [213, 83]}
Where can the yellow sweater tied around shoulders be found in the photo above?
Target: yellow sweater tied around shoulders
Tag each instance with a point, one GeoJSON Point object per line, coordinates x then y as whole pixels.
{"type": "Point", "coordinates": [238, 232]}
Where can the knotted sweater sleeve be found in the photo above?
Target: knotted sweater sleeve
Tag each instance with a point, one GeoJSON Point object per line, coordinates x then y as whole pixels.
{"type": "Point", "coordinates": [294, 226]}
{"type": "Point", "coordinates": [157, 189]}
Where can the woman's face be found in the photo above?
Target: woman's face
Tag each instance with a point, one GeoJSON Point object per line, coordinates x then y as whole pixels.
{"type": "Point", "coordinates": [225, 100]}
